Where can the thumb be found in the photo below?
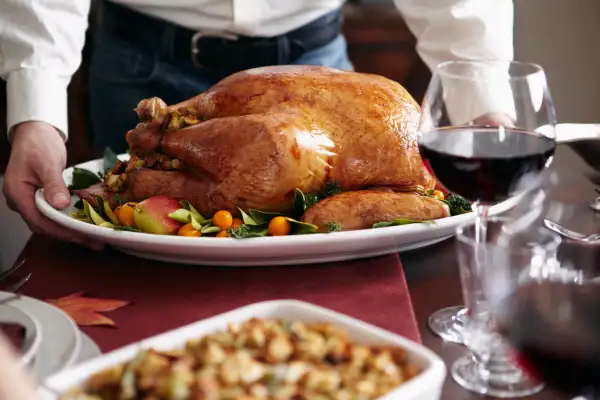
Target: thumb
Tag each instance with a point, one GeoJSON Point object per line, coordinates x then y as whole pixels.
{"type": "Point", "coordinates": [55, 190]}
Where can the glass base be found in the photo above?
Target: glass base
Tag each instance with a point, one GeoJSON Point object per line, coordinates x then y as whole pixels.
{"type": "Point", "coordinates": [511, 383]}
{"type": "Point", "coordinates": [448, 323]}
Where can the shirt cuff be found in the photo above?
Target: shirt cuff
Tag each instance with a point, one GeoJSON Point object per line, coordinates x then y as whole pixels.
{"type": "Point", "coordinates": [36, 95]}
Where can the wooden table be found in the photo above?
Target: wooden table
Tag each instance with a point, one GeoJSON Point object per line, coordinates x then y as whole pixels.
{"type": "Point", "coordinates": [432, 272]}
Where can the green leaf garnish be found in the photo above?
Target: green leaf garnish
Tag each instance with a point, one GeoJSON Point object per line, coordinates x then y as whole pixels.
{"type": "Point", "coordinates": [334, 226]}
{"type": "Point", "coordinates": [100, 201]}
{"type": "Point", "coordinates": [109, 159]}
{"type": "Point", "coordinates": [194, 213]}
{"type": "Point", "coordinates": [457, 204]}
{"type": "Point", "coordinates": [310, 200]}
{"type": "Point", "coordinates": [210, 229]}
{"type": "Point", "coordinates": [94, 216]}
{"type": "Point", "coordinates": [332, 188]}
{"type": "Point", "coordinates": [299, 204]}
{"type": "Point", "coordinates": [248, 220]}
{"type": "Point", "coordinates": [83, 179]}
{"type": "Point", "coordinates": [80, 215]}
{"type": "Point", "coordinates": [263, 217]}
{"type": "Point", "coordinates": [195, 224]}
{"type": "Point", "coordinates": [197, 216]}
{"type": "Point", "coordinates": [303, 202]}
{"type": "Point", "coordinates": [118, 199]}
{"type": "Point", "coordinates": [302, 228]}
{"type": "Point", "coordinates": [248, 231]}
{"type": "Point", "coordinates": [401, 221]}
{"type": "Point", "coordinates": [78, 205]}
{"type": "Point", "coordinates": [182, 215]}
{"type": "Point", "coordinates": [185, 204]}
{"type": "Point", "coordinates": [105, 210]}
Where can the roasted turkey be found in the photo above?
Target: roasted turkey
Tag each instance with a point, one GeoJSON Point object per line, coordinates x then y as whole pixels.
{"type": "Point", "coordinates": [256, 136]}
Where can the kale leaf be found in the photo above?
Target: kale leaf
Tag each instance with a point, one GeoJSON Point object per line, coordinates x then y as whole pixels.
{"type": "Point", "coordinates": [334, 226]}
{"type": "Point", "coordinates": [83, 179]}
{"type": "Point", "coordinates": [457, 204]}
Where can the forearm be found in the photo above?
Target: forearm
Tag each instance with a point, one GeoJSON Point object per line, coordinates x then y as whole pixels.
{"type": "Point", "coordinates": [460, 29]}
{"type": "Point", "coordinates": [40, 49]}
{"type": "Point", "coordinates": [450, 30]}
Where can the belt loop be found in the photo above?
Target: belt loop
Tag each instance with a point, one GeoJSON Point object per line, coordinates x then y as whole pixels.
{"type": "Point", "coordinates": [168, 42]}
{"type": "Point", "coordinates": [96, 23]}
{"type": "Point", "coordinates": [283, 50]}
{"type": "Point", "coordinates": [97, 11]}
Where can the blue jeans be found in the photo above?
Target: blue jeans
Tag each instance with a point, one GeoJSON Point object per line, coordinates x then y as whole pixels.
{"type": "Point", "coordinates": [121, 75]}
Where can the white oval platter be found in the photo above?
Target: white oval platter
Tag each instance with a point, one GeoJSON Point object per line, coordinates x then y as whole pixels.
{"type": "Point", "coordinates": [262, 251]}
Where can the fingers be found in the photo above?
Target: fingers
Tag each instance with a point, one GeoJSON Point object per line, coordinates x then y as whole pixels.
{"type": "Point", "coordinates": [9, 202]}
{"type": "Point", "coordinates": [37, 158]}
{"type": "Point", "coordinates": [495, 119]}
{"type": "Point", "coordinates": [55, 190]}
{"type": "Point", "coordinates": [40, 224]}
{"type": "Point", "coordinates": [20, 196]}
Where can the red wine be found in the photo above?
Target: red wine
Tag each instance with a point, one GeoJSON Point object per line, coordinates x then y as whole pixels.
{"type": "Point", "coordinates": [484, 164]}
{"type": "Point", "coordinates": [555, 327]}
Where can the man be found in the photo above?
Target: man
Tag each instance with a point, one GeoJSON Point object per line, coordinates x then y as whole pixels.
{"type": "Point", "coordinates": [176, 49]}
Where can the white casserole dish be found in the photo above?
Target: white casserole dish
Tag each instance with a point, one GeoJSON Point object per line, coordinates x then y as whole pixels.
{"type": "Point", "coordinates": [425, 386]}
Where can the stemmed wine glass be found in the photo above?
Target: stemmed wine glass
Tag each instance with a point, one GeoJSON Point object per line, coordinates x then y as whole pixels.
{"type": "Point", "coordinates": [548, 311]}
{"type": "Point", "coordinates": [489, 367]}
{"type": "Point", "coordinates": [487, 130]}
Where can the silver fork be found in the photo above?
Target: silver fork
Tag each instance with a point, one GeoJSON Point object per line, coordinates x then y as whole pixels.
{"type": "Point", "coordinates": [595, 237]}
{"type": "Point", "coordinates": [16, 286]}
{"type": "Point", "coordinates": [9, 271]}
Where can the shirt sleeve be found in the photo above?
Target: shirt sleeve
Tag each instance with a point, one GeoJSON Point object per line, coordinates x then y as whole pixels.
{"type": "Point", "coordinates": [40, 49]}
{"type": "Point", "coordinates": [449, 30]}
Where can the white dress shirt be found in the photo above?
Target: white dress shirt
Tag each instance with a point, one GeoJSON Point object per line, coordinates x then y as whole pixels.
{"type": "Point", "coordinates": [41, 40]}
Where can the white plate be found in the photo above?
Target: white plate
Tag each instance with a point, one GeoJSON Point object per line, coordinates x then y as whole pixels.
{"type": "Point", "coordinates": [89, 349]}
{"type": "Point", "coordinates": [425, 386]}
{"type": "Point", "coordinates": [33, 330]}
{"type": "Point", "coordinates": [61, 341]}
{"type": "Point", "coordinates": [566, 133]}
{"type": "Point", "coordinates": [280, 250]}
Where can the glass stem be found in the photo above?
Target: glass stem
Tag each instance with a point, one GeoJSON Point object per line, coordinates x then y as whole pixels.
{"type": "Point", "coordinates": [481, 223]}
{"type": "Point", "coordinates": [481, 220]}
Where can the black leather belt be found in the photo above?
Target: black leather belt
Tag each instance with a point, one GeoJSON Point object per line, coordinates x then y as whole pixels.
{"type": "Point", "coordinates": [221, 53]}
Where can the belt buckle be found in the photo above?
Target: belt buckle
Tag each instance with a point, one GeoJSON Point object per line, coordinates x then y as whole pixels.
{"type": "Point", "coordinates": [199, 35]}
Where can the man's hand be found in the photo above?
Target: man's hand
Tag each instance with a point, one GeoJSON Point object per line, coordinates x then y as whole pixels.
{"type": "Point", "coordinates": [494, 119]}
{"type": "Point", "coordinates": [37, 159]}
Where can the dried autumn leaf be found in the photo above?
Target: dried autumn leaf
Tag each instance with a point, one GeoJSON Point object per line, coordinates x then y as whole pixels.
{"type": "Point", "coordinates": [85, 310]}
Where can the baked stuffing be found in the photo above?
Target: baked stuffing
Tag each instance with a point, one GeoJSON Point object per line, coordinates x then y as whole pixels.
{"type": "Point", "coordinates": [258, 359]}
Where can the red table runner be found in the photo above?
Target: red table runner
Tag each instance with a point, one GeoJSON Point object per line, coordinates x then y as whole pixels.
{"type": "Point", "coordinates": [166, 296]}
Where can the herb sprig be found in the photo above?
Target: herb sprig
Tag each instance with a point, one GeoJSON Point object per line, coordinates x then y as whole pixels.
{"type": "Point", "coordinates": [83, 178]}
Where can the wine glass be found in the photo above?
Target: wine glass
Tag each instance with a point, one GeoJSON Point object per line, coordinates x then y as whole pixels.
{"type": "Point", "coordinates": [487, 130]}
{"type": "Point", "coordinates": [549, 310]}
{"type": "Point", "coordinates": [489, 368]}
